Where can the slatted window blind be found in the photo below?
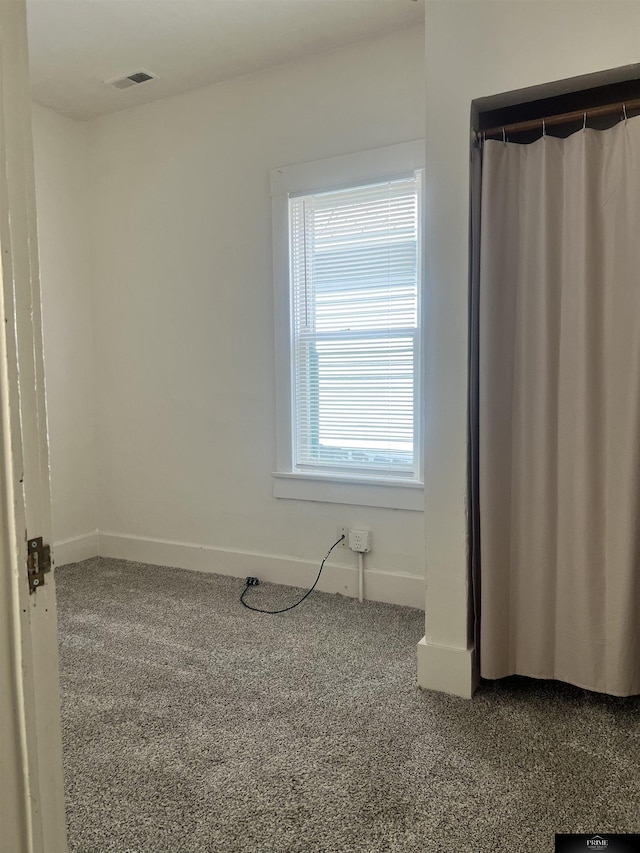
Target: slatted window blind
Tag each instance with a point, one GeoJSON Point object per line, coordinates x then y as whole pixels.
{"type": "Point", "coordinates": [355, 331]}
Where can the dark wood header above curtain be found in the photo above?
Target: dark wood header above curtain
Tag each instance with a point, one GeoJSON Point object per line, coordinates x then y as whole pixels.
{"type": "Point", "coordinates": [577, 95]}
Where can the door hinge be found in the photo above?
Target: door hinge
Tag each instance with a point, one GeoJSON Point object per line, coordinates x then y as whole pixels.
{"type": "Point", "coordinates": [38, 562]}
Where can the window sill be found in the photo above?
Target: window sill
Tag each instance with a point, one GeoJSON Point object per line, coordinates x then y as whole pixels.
{"type": "Point", "coordinates": [357, 491]}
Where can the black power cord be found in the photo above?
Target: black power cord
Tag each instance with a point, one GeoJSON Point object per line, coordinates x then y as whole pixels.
{"type": "Point", "coordinates": [254, 582]}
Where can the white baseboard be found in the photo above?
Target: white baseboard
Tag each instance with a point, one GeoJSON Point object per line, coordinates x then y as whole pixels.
{"type": "Point", "coordinates": [390, 587]}
{"type": "Point", "coordinates": [76, 548]}
{"type": "Point", "coordinates": [446, 669]}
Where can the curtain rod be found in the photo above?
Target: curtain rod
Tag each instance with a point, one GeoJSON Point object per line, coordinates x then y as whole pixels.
{"type": "Point", "coordinates": [561, 118]}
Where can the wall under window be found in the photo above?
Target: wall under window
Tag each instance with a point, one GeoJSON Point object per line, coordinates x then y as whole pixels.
{"type": "Point", "coordinates": [180, 220]}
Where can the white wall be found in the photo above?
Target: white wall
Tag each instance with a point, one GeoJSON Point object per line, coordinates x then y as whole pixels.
{"type": "Point", "coordinates": [474, 49]}
{"type": "Point", "coordinates": [63, 234]}
{"type": "Point", "coordinates": [184, 315]}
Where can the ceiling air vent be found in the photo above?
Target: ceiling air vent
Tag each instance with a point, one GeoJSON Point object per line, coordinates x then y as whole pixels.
{"type": "Point", "coordinates": [131, 80]}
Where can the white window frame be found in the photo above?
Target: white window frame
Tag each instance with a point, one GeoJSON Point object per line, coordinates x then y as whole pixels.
{"type": "Point", "coordinates": [372, 166]}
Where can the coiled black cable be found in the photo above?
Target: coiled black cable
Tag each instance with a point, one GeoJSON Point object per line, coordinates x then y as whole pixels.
{"type": "Point", "coordinates": [306, 595]}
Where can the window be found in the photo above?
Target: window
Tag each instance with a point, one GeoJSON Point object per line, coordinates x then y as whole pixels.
{"type": "Point", "coordinates": [347, 266]}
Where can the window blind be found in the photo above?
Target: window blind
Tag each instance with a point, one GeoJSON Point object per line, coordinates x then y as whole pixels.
{"type": "Point", "coordinates": [354, 280]}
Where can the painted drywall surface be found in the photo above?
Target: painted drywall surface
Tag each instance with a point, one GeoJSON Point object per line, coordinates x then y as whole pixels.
{"type": "Point", "coordinates": [475, 49]}
{"type": "Point", "coordinates": [184, 299]}
{"type": "Point", "coordinates": [63, 235]}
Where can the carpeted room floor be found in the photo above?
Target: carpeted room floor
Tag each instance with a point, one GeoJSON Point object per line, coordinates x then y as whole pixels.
{"type": "Point", "coordinates": [191, 724]}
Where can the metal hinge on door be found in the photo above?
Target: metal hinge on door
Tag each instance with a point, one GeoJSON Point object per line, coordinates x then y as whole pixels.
{"type": "Point", "coordinates": [38, 562]}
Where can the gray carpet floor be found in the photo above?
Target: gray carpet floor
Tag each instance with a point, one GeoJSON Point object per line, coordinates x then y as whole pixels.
{"type": "Point", "coordinates": [193, 725]}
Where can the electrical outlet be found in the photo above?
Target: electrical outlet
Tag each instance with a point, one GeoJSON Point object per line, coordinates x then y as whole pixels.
{"type": "Point", "coordinates": [360, 540]}
{"type": "Point", "coordinates": [343, 531]}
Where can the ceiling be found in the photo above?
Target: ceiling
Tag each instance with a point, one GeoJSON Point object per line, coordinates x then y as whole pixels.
{"type": "Point", "coordinates": [75, 45]}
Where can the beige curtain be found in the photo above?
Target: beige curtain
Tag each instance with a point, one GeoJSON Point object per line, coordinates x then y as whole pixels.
{"type": "Point", "coordinates": [559, 409]}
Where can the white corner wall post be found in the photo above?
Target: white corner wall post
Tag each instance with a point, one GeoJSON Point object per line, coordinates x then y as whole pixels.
{"type": "Point", "coordinates": [445, 654]}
